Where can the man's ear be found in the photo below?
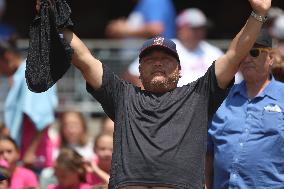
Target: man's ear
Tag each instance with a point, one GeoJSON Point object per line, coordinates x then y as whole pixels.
{"type": "Point", "coordinates": [272, 55]}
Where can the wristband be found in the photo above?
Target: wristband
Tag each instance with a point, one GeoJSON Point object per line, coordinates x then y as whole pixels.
{"type": "Point", "coordinates": [259, 18]}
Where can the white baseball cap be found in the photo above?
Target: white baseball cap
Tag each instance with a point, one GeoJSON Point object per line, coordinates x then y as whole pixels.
{"type": "Point", "coordinates": [278, 27]}
{"type": "Point", "coordinates": [193, 17]}
{"type": "Point", "coordinates": [274, 12]}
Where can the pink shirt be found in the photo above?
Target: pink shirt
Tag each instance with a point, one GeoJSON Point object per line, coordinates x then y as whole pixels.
{"type": "Point", "coordinates": [23, 177]}
{"type": "Point", "coordinates": [81, 186]}
{"type": "Point", "coordinates": [94, 180]}
{"type": "Point", "coordinates": [45, 147]}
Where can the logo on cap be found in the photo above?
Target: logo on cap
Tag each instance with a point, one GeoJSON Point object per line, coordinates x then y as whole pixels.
{"type": "Point", "coordinates": [159, 41]}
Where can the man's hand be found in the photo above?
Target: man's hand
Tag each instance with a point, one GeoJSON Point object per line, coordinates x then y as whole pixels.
{"type": "Point", "coordinates": [260, 7]}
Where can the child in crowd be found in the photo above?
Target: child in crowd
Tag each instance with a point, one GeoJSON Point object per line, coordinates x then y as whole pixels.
{"type": "Point", "coordinates": [107, 125]}
{"type": "Point", "coordinates": [69, 171]}
{"type": "Point", "coordinates": [98, 174]}
{"type": "Point", "coordinates": [74, 134]}
{"type": "Point", "coordinates": [21, 178]}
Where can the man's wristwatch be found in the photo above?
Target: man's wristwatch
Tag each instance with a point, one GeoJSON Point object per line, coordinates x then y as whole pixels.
{"type": "Point", "coordinates": [259, 18]}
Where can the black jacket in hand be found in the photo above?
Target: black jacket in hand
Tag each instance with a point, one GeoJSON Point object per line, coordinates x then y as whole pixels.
{"type": "Point", "coordinates": [49, 55]}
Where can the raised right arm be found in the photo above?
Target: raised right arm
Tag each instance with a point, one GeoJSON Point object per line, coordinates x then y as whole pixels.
{"type": "Point", "coordinates": [90, 67]}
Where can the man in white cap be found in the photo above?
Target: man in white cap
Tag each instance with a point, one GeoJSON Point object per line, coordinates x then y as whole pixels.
{"type": "Point", "coordinates": [277, 32]}
{"type": "Point", "coordinates": [196, 55]}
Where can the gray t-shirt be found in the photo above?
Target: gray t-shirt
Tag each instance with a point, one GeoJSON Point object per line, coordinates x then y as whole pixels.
{"type": "Point", "coordinates": [159, 139]}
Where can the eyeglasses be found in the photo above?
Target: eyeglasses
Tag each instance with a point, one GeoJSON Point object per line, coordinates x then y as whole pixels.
{"type": "Point", "coordinates": [255, 52]}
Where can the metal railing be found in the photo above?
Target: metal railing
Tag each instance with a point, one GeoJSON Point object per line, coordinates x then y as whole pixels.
{"type": "Point", "coordinates": [117, 54]}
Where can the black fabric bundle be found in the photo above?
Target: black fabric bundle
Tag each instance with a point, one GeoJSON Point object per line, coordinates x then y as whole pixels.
{"type": "Point", "coordinates": [49, 55]}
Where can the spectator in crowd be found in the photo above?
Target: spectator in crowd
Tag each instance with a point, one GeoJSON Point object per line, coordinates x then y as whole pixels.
{"type": "Point", "coordinates": [73, 131]}
{"type": "Point", "coordinates": [69, 171]}
{"type": "Point", "coordinates": [277, 32]}
{"type": "Point", "coordinates": [196, 55]}
{"type": "Point", "coordinates": [278, 65]}
{"type": "Point", "coordinates": [21, 178]}
{"type": "Point", "coordinates": [246, 135]}
{"type": "Point", "coordinates": [107, 125]}
{"type": "Point", "coordinates": [27, 115]}
{"type": "Point", "coordinates": [98, 174]}
{"type": "Point", "coordinates": [160, 132]}
{"type": "Point", "coordinates": [272, 14]}
{"type": "Point", "coordinates": [149, 18]}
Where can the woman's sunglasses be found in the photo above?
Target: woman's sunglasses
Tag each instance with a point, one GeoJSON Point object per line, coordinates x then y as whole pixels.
{"type": "Point", "coordinates": [255, 52]}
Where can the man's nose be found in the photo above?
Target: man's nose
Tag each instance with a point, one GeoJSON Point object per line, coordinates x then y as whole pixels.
{"type": "Point", "coordinates": [158, 62]}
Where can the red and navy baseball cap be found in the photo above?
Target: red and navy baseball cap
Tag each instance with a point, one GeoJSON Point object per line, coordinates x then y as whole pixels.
{"type": "Point", "coordinates": [159, 43]}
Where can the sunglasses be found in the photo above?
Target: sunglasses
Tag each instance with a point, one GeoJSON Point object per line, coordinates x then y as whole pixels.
{"type": "Point", "coordinates": [255, 52]}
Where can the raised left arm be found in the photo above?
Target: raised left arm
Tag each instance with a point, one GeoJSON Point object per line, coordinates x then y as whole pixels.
{"type": "Point", "coordinates": [227, 65]}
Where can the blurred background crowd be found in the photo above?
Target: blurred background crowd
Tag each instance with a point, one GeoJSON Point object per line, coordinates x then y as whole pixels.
{"type": "Point", "coordinates": [43, 135]}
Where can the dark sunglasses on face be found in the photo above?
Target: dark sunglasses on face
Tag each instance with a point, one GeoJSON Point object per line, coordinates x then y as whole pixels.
{"type": "Point", "coordinates": [255, 52]}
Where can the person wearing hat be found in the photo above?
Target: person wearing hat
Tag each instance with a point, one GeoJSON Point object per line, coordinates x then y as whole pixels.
{"type": "Point", "coordinates": [160, 131]}
{"type": "Point", "coordinates": [148, 19]}
{"type": "Point", "coordinates": [245, 136]}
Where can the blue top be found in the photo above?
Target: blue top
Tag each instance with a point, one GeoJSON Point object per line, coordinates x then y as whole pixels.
{"type": "Point", "coordinates": [6, 32]}
{"type": "Point", "coordinates": [39, 107]}
{"type": "Point", "coordinates": [247, 139]}
{"type": "Point", "coordinates": [159, 11]}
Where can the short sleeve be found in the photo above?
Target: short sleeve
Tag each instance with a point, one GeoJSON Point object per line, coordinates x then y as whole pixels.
{"type": "Point", "coordinates": [109, 93]}
{"type": "Point", "coordinates": [208, 86]}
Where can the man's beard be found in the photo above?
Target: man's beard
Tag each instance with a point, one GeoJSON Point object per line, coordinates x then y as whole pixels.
{"type": "Point", "coordinates": [161, 85]}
